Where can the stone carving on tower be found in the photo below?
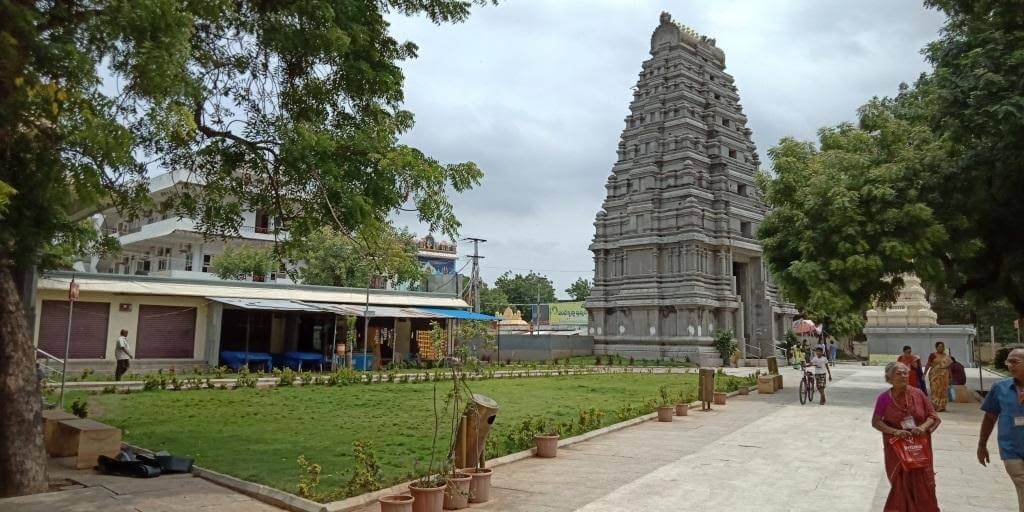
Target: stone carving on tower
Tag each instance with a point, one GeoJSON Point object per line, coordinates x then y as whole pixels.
{"type": "Point", "coordinates": [674, 249]}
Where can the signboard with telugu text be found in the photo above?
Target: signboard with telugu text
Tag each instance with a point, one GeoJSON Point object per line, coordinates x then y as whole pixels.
{"type": "Point", "coordinates": [567, 313]}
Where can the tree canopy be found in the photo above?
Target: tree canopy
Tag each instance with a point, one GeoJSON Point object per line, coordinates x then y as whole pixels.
{"type": "Point", "coordinates": [523, 290]}
{"type": "Point", "coordinates": [330, 258]}
{"type": "Point", "coordinates": [289, 107]}
{"type": "Point", "coordinates": [243, 262]}
{"type": "Point", "coordinates": [579, 290]}
{"type": "Point", "coordinates": [928, 181]}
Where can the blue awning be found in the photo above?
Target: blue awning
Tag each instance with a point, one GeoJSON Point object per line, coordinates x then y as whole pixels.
{"type": "Point", "coordinates": [459, 314]}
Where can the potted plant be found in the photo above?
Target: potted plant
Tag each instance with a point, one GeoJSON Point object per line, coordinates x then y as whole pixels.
{"type": "Point", "coordinates": [547, 441]}
{"type": "Point", "coordinates": [725, 343]}
{"type": "Point", "coordinates": [456, 493]}
{"type": "Point", "coordinates": [682, 406]}
{"type": "Point", "coordinates": [665, 407]}
{"type": "Point", "coordinates": [396, 503]}
{"type": "Point", "coordinates": [448, 488]}
{"type": "Point", "coordinates": [480, 485]}
{"type": "Point", "coordinates": [428, 493]}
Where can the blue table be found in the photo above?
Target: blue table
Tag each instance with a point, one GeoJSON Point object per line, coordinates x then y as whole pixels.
{"type": "Point", "coordinates": [235, 359]}
{"type": "Point", "coordinates": [303, 360]}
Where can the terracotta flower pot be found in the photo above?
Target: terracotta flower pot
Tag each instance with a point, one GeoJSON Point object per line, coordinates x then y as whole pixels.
{"type": "Point", "coordinates": [480, 486]}
{"type": "Point", "coordinates": [547, 445]}
{"type": "Point", "coordinates": [427, 499]}
{"type": "Point", "coordinates": [719, 398]}
{"type": "Point", "coordinates": [665, 413]}
{"type": "Point", "coordinates": [456, 494]}
{"type": "Point", "coordinates": [396, 503]}
{"type": "Point", "coordinates": [682, 409]}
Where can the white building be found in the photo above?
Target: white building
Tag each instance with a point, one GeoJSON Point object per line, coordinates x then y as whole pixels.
{"type": "Point", "coordinates": [166, 245]}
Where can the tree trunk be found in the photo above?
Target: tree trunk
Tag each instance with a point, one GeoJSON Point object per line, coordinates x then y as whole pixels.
{"type": "Point", "coordinates": [22, 454]}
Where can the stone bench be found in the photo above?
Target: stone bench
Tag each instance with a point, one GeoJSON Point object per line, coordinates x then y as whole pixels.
{"type": "Point", "coordinates": [85, 440]}
{"type": "Point", "coordinates": [51, 417]}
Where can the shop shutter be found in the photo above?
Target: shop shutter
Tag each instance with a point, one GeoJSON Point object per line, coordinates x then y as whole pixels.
{"type": "Point", "coordinates": [88, 329]}
{"type": "Point", "coordinates": [166, 332]}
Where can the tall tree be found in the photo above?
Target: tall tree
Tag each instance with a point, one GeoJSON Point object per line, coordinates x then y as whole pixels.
{"type": "Point", "coordinates": [492, 299]}
{"type": "Point", "coordinates": [579, 290]}
{"type": "Point", "coordinates": [847, 219]}
{"type": "Point", "coordinates": [244, 262]}
{"type": "Point", "coordinates": [291, 107]}
{"type": "Point", "coordinates": [978, 102]}
{"type": "Point", "coordinates": [523, 290]}
{"type": "Point", "coordinates": [330, 258]}
{"type": "Point", "coordinates": [949, 150]}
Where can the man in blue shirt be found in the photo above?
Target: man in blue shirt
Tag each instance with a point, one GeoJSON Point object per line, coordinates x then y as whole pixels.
{"type": "Point", "coordinates": [1004, 405]}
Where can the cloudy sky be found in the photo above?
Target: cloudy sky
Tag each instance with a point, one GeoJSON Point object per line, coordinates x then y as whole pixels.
{"type": "Point", "coordinates": [535, 92]}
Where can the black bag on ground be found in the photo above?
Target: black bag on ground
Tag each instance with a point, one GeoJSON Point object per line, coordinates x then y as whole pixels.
{"type": "Point", "coordinates": [167, 462]}
{"type": "Point", "coordinates": [135, 468]}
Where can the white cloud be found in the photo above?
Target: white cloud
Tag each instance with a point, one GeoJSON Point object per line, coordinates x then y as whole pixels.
{"type": "Point", "coordinates": [535, 92]}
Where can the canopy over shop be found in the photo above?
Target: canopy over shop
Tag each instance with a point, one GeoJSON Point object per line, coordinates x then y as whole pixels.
{"type": "Point", "coordinates": [305, 334]}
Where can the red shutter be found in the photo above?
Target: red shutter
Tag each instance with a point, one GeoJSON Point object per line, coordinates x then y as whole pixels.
{"type": "Point", "coordinates": [88, 329]}
{"type": "Point", "coordinates": [166, 332]}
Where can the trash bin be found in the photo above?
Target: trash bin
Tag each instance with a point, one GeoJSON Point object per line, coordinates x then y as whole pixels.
{"type": "Point", "coordinates": [362, 362]}
{"type": "Point", "coordinates": [473, 431]}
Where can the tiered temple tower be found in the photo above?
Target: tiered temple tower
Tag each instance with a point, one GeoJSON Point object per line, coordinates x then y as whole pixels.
{"type": "Point", "coordinates": [674, 250]}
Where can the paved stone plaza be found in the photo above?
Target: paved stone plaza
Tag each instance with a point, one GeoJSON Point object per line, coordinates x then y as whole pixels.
{"type": "Point", "coordinates": [762, 452]}
{"type": "Point", "coordinates": [757, 453]}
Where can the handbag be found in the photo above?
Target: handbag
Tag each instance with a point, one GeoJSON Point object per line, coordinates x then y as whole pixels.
{"type": "Point", "coordinates": [914, 452]}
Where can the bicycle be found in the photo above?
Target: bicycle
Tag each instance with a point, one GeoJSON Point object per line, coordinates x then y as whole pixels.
{"type": "Point", "coordinates": [807, 386]}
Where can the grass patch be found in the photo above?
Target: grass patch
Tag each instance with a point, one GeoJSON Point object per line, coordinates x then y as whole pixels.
{"type": "Point", "coordinates": [258, 435]}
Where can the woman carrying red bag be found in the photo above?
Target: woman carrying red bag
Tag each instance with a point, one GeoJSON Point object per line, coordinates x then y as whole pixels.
{"type": "Point", "coordinates": [905, 413]}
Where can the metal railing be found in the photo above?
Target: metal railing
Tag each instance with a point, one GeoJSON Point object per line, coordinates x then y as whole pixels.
{"type": "Point", "coordinates": [50, 369]}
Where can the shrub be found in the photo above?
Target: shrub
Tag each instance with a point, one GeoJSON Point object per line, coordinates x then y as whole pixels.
{"type": "Point", "coordinates": [80, 408]}
{"type": "Point", "coordinates": [245, 379]}
{"type": "Point", "coordinates": [725, 344]}
{"type": "Point", "coordinates": [309, 478]}
{"type": "Point", "coordinates": [366, 475]}
{"type": "Point", "coordinates": [285, 377]}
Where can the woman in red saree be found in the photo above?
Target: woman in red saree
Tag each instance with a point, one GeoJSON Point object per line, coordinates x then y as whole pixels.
{"type": "Point", "coordinates": [904, 411]}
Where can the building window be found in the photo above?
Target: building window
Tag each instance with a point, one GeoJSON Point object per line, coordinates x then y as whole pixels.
{"type": "Point", "coordinates": [725, 122]}
{"type": "Point", "coordinates": [262, 222]}
{"type": "Point", "coordinates": [206, 262]}
{"type": "Point", "coordinates": [741, 189]}
{"type": "Point", "coordinates": [188, 261]}
{"type": "Point", "coordinates": [746, 229]}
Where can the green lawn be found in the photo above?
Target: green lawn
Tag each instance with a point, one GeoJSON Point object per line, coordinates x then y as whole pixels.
{"type": "Point", "coordinates": [257, 435]}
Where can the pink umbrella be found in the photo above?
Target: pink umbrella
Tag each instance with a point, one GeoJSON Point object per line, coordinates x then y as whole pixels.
{"type": "Point", "coordinates": [805, 326]}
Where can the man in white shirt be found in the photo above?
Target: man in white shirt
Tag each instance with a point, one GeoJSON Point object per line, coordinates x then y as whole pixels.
{"type": "Point", "coordinates": [122, 354]}
{"type": "Point", "coordinates": [820, 364]}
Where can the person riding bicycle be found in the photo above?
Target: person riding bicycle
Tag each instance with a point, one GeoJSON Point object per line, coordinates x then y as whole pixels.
{"type": "Point", "coordinates": [821, 369]}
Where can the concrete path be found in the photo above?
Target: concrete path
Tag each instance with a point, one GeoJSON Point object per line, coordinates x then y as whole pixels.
{"type": "Point", "coordinates": [758, 453]}
{"type": "Point", "coordinates": [89, 491]}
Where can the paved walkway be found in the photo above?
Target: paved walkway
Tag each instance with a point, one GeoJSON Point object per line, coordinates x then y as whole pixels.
{"type": "Point", "coordinates": [759, 453]}
{"type": "Point", "coordinates": [90, 491]}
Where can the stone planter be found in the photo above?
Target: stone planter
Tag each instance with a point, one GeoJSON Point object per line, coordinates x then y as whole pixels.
{"type": "Point", "coordinates": [766, 384]}
{"type": "Point", "coordinates": [397, 503]}
{"type": "Point", "coordinates": [719, 398]}
{"type": "Point", "coordinates": [456, 494]}
{"type": "Point", "coordinates": [682, 409]}
{"type": "Point", "coordinates": [547, 445]}
{"type": "Point", "coordinates": [665, 413]}
{"type": "Point", "coordinates": [427, 499]}
{"type": "Point", "coordinates": [778, 381]}
{"type": "Point", "coordinates": [480, 486]}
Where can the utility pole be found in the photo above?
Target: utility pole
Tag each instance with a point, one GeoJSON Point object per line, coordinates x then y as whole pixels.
{"type": "Point", "coordinates": [475, 280]}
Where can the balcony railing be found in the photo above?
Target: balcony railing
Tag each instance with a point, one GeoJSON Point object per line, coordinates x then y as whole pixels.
{"type": "Point", "coordinates": [430, 245]}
